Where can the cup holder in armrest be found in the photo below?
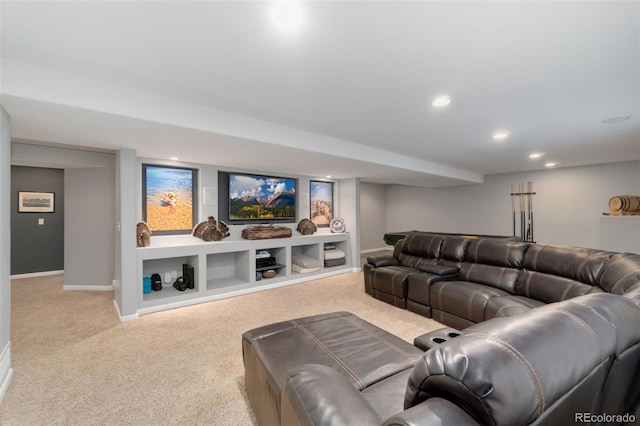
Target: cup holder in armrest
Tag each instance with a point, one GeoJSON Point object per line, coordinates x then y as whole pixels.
{"type": "Point", "coordinates": [435, 338]}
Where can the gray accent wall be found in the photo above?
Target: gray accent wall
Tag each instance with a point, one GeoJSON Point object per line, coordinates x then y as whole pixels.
{"type": "Point", "coordinates": [90, 214]}
{"type": "Point", "coordinates": [37, 239]}
{"type": "Point", "coordinates": [5, 251]}
{"type": "Point", "coordinates": [567, 207]}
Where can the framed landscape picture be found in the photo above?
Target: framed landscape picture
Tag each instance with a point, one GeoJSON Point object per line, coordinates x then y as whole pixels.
{"type": "Point", "coordinates": [36, 202]}
{"type": "Point", "coordinates": [321, 206]}
{"type": "Point", "coordinates": [169, 199]}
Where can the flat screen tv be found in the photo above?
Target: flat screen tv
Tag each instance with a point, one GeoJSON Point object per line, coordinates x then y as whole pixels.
{"type": "Point", "coordinates": [260, 199]}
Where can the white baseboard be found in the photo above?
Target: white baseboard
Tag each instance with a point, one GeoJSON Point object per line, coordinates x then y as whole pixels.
{"type": "Point", "coordinates": [36, 274]}
{"type": "Point", "coordinates": [88, 287]}
{"type": "Point", "coordinates": [376, 249]}
{"type": "Point", "coordinates": [125, 318]}
{"type": "Point", "coordinates": [6, 372]}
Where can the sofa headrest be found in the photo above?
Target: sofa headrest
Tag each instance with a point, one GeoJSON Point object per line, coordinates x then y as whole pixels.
{"type": "Point", "coordinates": [538, 356]}
{"type": "Point", "coordinates": [497, 252]}
{"type": "Point", "coordinates": [453, 248]}
{"type": "Point", "coordinates": [580, 264]}
{"type": "Point", "coordinates": [421, 244]}
{"type": "Point", "coordinates": [621, 273]}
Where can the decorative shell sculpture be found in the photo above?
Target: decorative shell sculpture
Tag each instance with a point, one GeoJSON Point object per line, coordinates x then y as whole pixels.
{"type": "Point", "coordinates": [307, 227]}
{"type": "Point", "coordinates": [143, 234]}
{"type": "Point", "coordinates": [211, 230]}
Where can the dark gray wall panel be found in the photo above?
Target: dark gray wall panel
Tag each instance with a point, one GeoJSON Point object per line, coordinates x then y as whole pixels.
{"type": "Point", "coordinates": [37, 248]}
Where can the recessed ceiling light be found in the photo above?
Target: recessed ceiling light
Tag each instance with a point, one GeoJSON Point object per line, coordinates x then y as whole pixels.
{"type": "Point", "coordinates": [174, 158]}
{"type": "Point", "coordinates": [536, 155]}
{"type": "Point", "coordinates": [328, 176]}
{"type": "Point", "coordinates": [441, 101]}
{"type": "Point", "coordinates": [287, 15]}
{"type": "Point", "coordinates": [614, 120]}
{"type": "Point", "coordinates": [550, 164]}
{"type": "Point", "coordinates": [501, 135]}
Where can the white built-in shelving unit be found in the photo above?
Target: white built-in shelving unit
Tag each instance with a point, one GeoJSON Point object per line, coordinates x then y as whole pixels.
{"type": "Point", "coordinates": [228, 268]}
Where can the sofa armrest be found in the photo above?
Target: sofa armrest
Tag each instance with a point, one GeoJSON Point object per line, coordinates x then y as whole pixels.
{"type": "Point", "coordinates": [315, 394]}
{"type": "Point", "coordinates": [380, 261]}
{"type": "Point", "coordinates": [439, 269]}
{"type": "Point", "coordinates": [434, 411]}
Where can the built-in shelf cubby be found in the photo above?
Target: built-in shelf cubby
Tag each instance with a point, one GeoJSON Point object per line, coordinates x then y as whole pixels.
{"type": "Point", "coordinates": [169, 269]}
{"type": "Point", "coordinates": [228, 268]}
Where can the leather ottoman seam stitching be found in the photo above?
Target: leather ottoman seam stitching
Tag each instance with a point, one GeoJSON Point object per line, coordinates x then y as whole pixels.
{"type": "Point", "coordinates": [335, 358]}
{"type": "Point", "coordinates": [380, 339]}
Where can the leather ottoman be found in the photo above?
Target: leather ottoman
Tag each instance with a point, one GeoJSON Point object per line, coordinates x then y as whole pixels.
{"type": "Point", "coordinates": [360, 351]}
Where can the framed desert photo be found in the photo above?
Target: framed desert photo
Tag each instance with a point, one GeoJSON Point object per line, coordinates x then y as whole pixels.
{"type": "Point", "coordinates": [169, 199]}
{"type": "Point", "coordinates": [321, 206]}
{"type": "Point", "coordinates": [36, 202]}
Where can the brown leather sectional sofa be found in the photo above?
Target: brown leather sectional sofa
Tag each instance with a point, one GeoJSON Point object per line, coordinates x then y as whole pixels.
{"type": "Point", "coordinates": [520, 358]}
{"type": "Point", "coordinates": [572, 362]}
{"type": "Point", "coordinates": [460, 282]}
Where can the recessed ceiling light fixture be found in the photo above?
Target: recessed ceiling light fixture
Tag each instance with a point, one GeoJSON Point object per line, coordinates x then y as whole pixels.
{"type": "Point", "coordinates": [328, 176]}
{"type": "Point", "coordinates": [614, 120]}
{"type": "Point", "coordinates": [501, 135]}
{"type": "Point", "coordinates": [536, 155]}
{"type": "Point", "coordinates": [550, 164]}
{"type": "Point", "coordinates": [174, 158]}
{"type": "Point", "coordinates": [441, 101]}
{"type": "Point", "coordinates": [287, 15]}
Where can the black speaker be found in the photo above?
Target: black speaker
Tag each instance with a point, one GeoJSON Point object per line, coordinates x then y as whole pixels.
{"type": "Point", "coordinates": [181, 284]}
{"type": "Point", "coordinates": [187, 272]}
{"type": "Point", "coordinates": [156, 282]}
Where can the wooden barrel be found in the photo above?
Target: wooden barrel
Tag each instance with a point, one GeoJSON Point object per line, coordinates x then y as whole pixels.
{"type": "Point", "coordinates": [625, 203]}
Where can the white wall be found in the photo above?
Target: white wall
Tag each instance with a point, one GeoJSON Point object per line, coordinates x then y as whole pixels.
{"type": "Point", "coordinates": [5, 252]}
{"type": "Point", "coordinates": [373, 216]}
{"type": "Point", "coordinates": [567, 207]}
{"type": "Point", "coordinates": [349, 210]}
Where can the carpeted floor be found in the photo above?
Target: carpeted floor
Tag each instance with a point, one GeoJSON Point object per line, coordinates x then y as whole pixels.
{"type": "Point", "coordinates": [76, 364]}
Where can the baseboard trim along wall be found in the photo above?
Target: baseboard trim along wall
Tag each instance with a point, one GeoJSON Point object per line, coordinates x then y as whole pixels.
{"type": "Point", "coordinates": [126, 318]}
{"type": "Point", "coordinates": [88, 287]}
{"type": "Point", "coordinates": [36, 274]}
{"type": "Point", "coordinates": [6, 372]}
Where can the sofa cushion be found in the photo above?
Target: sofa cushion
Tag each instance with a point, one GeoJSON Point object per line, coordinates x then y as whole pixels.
{"type": "Point", "coordinates": [422, 244]}
{"type": "Point", "coordinates": [550, 288]}
{"type": "Point", "coordinates": [507, 306]}
{"type": "Point", "coordinates": [496, 252]}
{"type": "Point", "coordinates": [621, 273]}
{"type": "Point", "coordinates": [392, 280]}
{"type": "Point", "coordinates": [493, 262]}
{"type": "Point", "coordinates": [452, 251]}
{"type": "Point", "coordinates": [494, 276]}
{"type": "Point", "coordinates": [462, 298]}
{"type": "Point", "coordinates": [418, 248]}
{"type": "Point", "coordinates": [579, 264]}
{"type": "Point", "coordinates": [519, 356]}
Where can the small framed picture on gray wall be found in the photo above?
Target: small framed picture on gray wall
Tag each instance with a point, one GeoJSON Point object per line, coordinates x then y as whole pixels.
{"type": "Point", "coordinates": [36, 202]}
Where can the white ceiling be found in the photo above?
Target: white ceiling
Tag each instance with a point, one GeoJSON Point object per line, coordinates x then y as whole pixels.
{"type": "Point", "coordinates": [348, 94]}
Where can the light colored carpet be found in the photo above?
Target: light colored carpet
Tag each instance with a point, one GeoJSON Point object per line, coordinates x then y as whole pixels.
{"type": "Point", "coordinates": [76, 364]}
